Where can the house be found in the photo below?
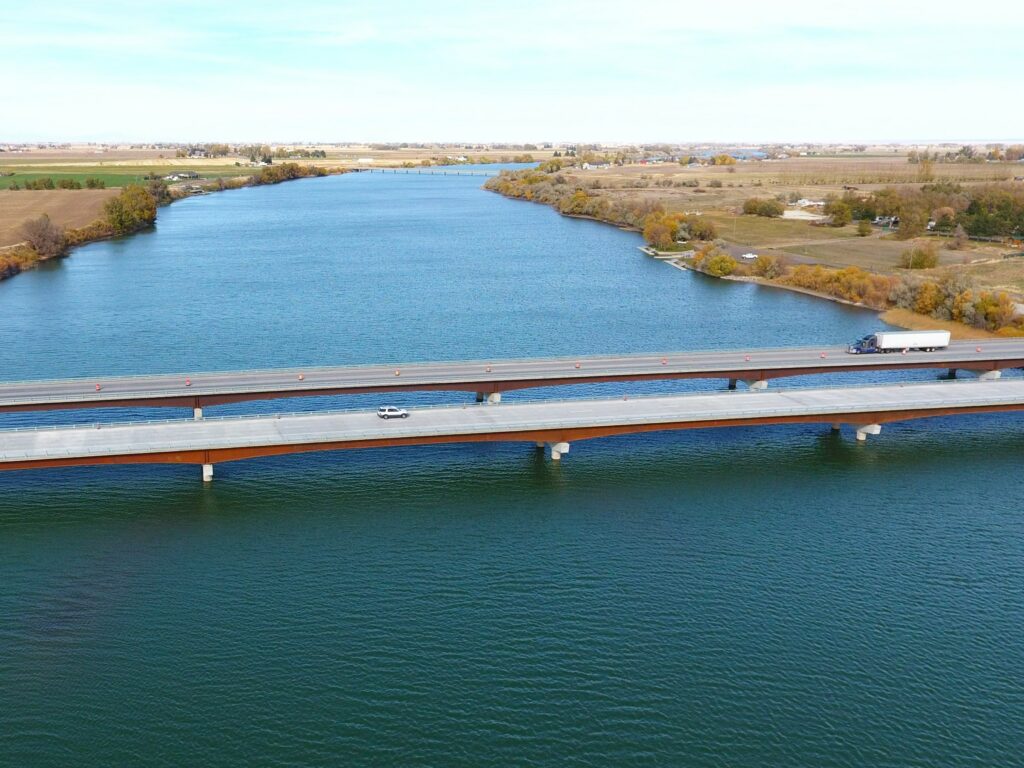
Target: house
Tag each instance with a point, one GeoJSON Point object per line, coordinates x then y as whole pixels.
{"type": "Point", "coordinates": [196, 152]}
{"type": "Point", "coordinates": [181, 176]}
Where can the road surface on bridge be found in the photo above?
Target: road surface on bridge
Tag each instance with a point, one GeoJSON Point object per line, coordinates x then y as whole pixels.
{"type": "Point", "coordinates": [202, 389]}
{"type": "Point", "coordinates": [208, 441]}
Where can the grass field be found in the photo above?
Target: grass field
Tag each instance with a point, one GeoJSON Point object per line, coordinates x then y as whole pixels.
{"type": "Point", "coordinates": [112, 176]}
{"type": "Point", "coordinates": [764, 232]}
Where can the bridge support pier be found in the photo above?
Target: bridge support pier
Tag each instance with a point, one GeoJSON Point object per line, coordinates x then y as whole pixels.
{"type": "Point", "coordinates": [491, 398]}
{"type": "Point", "coordinates": [990, 375]}
{"type": "Point", "coordinates": [480, 396]}
{"type": "Point", "coordinates": [540, 446]}
{"type": "Point", "coordinates": [207, 473]}
{"type": "Point", "coordinates": [835, 427]}
{"type": "Point", "coordinates": [197, 413]}
{"type": "Point", "coordinates": [756, 384]}
{"type": "Point", "coordinates": [951, 374]}
{"type": "Point", "coordinates": [868, 429]}
{"type": "Point", "coordinates": [557, 449]}
{"type": "Point", "coordinates": [732, 383]}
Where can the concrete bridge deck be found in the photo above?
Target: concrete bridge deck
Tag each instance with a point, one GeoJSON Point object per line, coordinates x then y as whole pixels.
{"type": "Point", "coordinates": [488, 378]}
{"type": "Point", "coordinates": [555, 423]}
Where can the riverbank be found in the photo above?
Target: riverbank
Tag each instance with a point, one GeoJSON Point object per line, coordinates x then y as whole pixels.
{"type": "Point", "coordinates": [946, 294]}
{"type": "Point", "coordinates": [20, 257]}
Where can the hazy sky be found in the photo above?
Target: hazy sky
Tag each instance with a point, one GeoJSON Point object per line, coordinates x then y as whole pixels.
{"type": "Point", "coordinates": [393, 70]}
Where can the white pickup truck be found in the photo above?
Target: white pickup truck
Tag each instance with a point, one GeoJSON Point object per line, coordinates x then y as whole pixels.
{"type": "Point", "coordinates": [899, 341]}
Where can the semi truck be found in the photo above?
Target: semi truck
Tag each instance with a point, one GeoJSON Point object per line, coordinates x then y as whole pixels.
{"type": "Point", "coordinates": [900, 341]}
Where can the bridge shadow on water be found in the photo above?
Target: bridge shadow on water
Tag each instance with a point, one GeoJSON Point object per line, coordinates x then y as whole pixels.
{"type": "Point", "coordinates": [688, 464]}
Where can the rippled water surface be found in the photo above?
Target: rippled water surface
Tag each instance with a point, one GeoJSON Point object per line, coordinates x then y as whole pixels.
{"type": "Point", "coordinates": [742, 597]}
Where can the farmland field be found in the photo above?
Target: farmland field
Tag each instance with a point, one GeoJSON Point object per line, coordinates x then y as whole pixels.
{"type": "Point", "coordinates": [66, 207]}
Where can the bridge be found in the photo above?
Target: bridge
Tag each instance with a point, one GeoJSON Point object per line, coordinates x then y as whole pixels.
{"type": "Point", "coordinates": [424, 172]}
{"type": "Point", "coordinates": [555, 424]}
{"type": "Point", "coordinates": [488, 379]}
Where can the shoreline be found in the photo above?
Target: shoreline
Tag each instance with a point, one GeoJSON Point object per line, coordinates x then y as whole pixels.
{"type": "Point", "coordinates": [900, 318]}
{"type": "Point", "coordinates": [22, 258]}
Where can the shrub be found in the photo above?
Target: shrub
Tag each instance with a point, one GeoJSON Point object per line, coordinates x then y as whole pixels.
{"type": "Point", "coordinates": [69, 184]}
{"type": "Point", "coordinates": [920, 257]}
{"type": "Point", "coordinates": [45, 237]}
{"type": "Point", "coordinates": [863, 228]}
{"type": "Point", "coordinates": [94, 183]}
{"type": "Point", "coordinates": [960, 239]}
{"type": "Point", "coordinates": [757, 206]}
{"type": "Point", "coordinates": [720, 265]}
{"type": "Point", "coordinates": [769, 267]}
{"type": "Point", "coordinates": [715, 183]}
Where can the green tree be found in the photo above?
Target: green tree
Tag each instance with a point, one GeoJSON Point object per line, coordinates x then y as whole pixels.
{"type": "Point", "coordinates": [132, 210]}
{"type": "Point", "coordinates": [840, 213]}
{"type": "Point", "coordinates": [921, 257]}
{"type": "Point", "coordinates": [913, 220]}
{"type": "Point", "coordinates": [863, 227]}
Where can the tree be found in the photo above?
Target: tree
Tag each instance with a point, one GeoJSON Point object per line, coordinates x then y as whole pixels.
{"type": "Point", "coordinates": [926, 171]}
{"type": "Point", "coordinates": [769, 208]}
{"type": "Point", "coordinates": [701, 228]}
{"type": "Point", "coordinates": [158, 189]}
{"type": "Point", "coordinates": [720, 265]}
{"type": "Point", "coordinates": [660, 230]}
{"type": "Point", "coordinates": [840, 213]}
{"type": "Point", "coordinates": [132, 210]}
{"type": "Point", "coordinates": [913, 220]}
{"type": "Point", "coordinates": [929, 297]}
{"type": "Point", "coordinates": [960, 239]}
{"type": "Point", "coordinates": [863, 228]}
{"type": "Point", "coordinates": [45, 237]}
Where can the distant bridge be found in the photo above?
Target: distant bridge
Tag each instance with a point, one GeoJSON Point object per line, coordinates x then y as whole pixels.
{"type": "Point", "coordinates": [425, 172]}
{"type": "Point", "coordinates": [488, 379]}
{"type": "Point", "coordinates": [552, 423]}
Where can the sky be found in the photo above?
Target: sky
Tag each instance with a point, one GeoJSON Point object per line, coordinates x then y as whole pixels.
{"type": "Point", "coordinates": [562, 70]}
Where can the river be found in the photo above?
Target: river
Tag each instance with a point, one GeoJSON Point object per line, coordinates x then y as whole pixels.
{"type": "Point", "coordinates": [743, 597]}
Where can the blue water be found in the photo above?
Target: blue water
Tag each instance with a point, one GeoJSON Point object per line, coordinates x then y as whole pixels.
{"type": "Point", "coordinates": [773, 596]}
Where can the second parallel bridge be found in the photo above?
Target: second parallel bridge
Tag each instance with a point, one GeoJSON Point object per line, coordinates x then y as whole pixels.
{"type": "Point", "coordinates": [555, 423]}
{"type": "Point", "coordinates": [486, 378]}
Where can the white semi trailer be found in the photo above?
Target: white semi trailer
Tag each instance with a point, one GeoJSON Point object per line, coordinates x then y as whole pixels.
{"type": "Point", "coordinates": [898, 341]}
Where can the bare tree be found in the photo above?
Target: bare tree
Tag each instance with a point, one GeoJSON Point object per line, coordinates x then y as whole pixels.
{"type": "Point", "coordinates": [45, 237]}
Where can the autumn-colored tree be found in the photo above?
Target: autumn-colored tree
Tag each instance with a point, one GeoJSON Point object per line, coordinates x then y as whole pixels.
{"type": "Point", "coordinates": [720, 265]}
{"type": "Point", "coordinates": [130, 211]}
{"type": "Point", "coordinates": [660, 231]}
{"type": "Point", "coordinates": [963, 307]}
{"type": "Point", "coordinates": [929, 297]}
{"type": "Point", "coordinates": [960, 239]}
{"type": "Point", "coordinates": [769, 267]}
{"type": "Point", "coordinates": [46, 238]}
{"type": "Point", "coordinates": [701, 228]}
